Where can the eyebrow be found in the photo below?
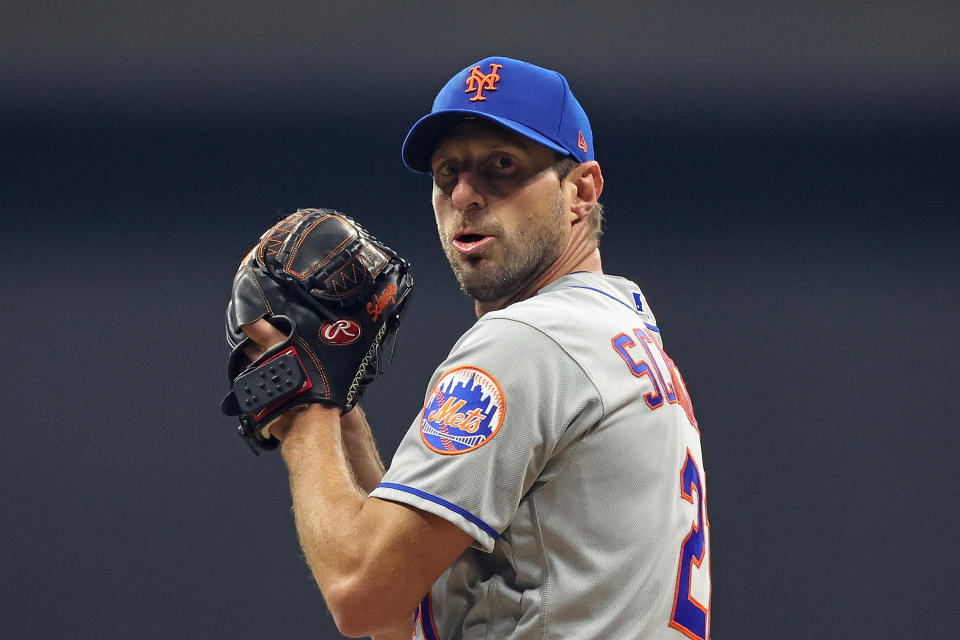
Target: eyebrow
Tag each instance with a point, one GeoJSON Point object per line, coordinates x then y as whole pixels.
{"type": "Point", "coordinates": [515, 139]}
{"type": "Point", "coordinates": [518, 142]}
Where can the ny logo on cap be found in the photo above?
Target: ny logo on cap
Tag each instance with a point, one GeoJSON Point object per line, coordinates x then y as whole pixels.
{"type": "Point", "coordinates": [478, 81]}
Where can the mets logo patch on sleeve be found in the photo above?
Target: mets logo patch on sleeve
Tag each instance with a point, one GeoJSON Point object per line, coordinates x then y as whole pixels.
{"type": "Point", "coordinates": [464, 411]}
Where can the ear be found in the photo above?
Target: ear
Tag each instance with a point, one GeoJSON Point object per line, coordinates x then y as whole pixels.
{"type": "Point", "coordinates": [587, 179]}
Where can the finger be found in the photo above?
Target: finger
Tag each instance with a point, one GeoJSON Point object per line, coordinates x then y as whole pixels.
{"type": "Point", "coordinates": [280, 426]}
{"type": "Point", "coordinates": [264, 335]}
{"type": "Point", "coordinates": [277, 428]}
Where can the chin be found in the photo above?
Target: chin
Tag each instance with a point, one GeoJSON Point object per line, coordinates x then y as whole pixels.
{"type": "Point", "coordinates": [485, 289]}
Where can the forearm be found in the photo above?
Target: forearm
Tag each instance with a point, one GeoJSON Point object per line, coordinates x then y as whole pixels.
{"type": "Point", "coordinates": [339, 535]}
{"type": "Point", "coordinates": [360, 448]}
{"type": "Point", "coordinates": [326, 499]}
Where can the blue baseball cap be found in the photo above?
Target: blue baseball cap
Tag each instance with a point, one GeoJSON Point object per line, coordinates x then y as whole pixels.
{"type": "Point", "coordinates": [535, 102]}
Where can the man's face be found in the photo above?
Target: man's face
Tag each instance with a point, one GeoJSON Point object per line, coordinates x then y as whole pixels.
{"type": "Point", "coordinates": [499, 207]}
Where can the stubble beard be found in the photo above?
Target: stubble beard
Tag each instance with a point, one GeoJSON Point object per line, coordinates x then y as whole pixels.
{"type": "Point", "coordinates": [524, 256]}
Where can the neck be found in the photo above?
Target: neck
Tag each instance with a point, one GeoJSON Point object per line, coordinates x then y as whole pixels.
{"type": "Point", "coordinates": [580, 254]}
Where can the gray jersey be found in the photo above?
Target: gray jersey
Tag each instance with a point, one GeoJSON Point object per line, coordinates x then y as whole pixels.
{"type": "Point", "coordinates": [560, 435]}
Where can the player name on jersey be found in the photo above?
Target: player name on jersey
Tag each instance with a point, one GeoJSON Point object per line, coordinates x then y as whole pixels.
{"type": "Point", "coordinates": [646, 359]}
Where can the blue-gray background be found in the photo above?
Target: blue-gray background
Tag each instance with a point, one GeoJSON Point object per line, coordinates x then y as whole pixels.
{"type": "Point", "coordinates": [781, 181]}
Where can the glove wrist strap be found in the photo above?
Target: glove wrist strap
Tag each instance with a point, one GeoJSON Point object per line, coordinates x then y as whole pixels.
{"type": "Point", "coordinates": [265, 387]}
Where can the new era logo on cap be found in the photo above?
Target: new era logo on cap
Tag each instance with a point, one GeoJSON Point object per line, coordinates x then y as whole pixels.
{"type": "Point", "coordinates": [535, 102]}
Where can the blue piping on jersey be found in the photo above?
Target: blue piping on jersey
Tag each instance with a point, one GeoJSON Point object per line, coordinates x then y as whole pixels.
{"type": "Point", "coordinates": [652, 327]}
{"type": "Point", "coordinates": [443, 503]}
{"type": "Point", "coordinates": [426, 618]}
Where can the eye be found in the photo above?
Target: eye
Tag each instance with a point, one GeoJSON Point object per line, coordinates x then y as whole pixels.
{"type": "Point", "coordinates": [501, 166]}
{"type": "Point", "coordinates": [502, 163]}
{"type": "Point", "coordinates": [445, 174]}
{"type": "Point", "coordinates": [445, 170]}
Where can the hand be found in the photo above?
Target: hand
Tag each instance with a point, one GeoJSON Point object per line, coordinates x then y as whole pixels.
{"type": "Point", "coordinates": [327, 311]}
{"type": "Point", "coordinates": [264, 336]}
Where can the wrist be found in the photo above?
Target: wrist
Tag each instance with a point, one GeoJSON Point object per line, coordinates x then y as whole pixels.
{"type": "Point", "coordinates": [354, 420]}
{"type": "Point", "coordinates": [304, 422]}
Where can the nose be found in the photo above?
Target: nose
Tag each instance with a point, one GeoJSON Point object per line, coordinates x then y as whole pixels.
{"type": "Point", "coordinates": [466, 194]}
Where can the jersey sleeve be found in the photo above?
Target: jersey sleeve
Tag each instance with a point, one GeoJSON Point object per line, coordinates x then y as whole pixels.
{"type": "Point", "coordinates": [501, 406]}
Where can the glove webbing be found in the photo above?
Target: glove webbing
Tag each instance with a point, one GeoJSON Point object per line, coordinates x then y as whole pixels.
{"type": "Point", "coordinates": [365, 362]}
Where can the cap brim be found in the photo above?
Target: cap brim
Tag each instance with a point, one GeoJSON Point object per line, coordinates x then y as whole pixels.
{"type": "Point", "coordinates": [420, 142]}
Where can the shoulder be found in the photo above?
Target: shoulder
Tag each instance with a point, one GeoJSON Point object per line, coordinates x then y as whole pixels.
{"type": "Point", "coordinates": [576, 305]}
{"type": "Point", "coordinates": [526, 342]}
{"type": "Point", "coordinates": [572, 319]}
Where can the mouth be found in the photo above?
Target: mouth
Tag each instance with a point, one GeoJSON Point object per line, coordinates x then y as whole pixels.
{"type": "Point", "coordinates": [469, 242]}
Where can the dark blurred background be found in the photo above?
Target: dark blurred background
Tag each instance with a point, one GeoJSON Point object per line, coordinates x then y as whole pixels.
{"type": "Point", "coordinates": [781, 181]}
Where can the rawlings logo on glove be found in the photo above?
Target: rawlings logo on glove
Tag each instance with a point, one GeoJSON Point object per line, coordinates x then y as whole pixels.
{"type": "Point", "coordinates": [343, 331]}
{"type": "Point", "coordinates": [336, 293]}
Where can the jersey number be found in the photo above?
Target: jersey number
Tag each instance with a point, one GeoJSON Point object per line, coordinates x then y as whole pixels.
{"type": "Point", "coordinates": [689, 616]}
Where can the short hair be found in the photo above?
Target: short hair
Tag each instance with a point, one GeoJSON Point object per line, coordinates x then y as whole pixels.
{"type": "Point", "coordinates": [563, 166]}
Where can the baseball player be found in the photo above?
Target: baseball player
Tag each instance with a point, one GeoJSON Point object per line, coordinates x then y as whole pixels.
{"type": "Point", "coordinates": [553, 484]}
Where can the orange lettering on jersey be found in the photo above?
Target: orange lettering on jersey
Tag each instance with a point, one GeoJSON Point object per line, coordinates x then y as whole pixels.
{"type": "Point", "coordinates": [449, 415]}
{"type": "Point", "coordinates": [446, 413]}
{"type": "Point", "coordinates": [647, 340]}
{"type": "Point", "coordinates": [683, 398]}
{"type": "Point", "coordinates": [472, 421]}
{"type": "Point", "coordinates": [478, 81]}
{"type": "Point", "coordinates": [639, 368]}
{"type": "Point", "coordinates": [666, 383]}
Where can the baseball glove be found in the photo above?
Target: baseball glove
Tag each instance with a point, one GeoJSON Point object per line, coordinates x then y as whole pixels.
{"type": "Point", "coordinates": [337, 293]}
